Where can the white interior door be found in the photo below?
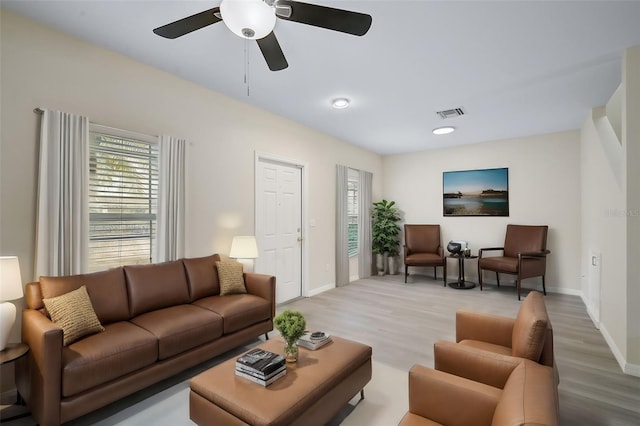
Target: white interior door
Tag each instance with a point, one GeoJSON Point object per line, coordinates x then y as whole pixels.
{"type": "Point", "coordinates": [279, 225]}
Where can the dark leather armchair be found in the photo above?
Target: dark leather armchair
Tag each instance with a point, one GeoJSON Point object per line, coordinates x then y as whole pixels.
{"type": "Point", "coordinates": [524, 255]}
{"type": "Point", "coordinates": [422, 248]}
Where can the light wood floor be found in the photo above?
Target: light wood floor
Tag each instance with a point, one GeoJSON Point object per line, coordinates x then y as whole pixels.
{"type": "Point", "coordinates": [402, 321]}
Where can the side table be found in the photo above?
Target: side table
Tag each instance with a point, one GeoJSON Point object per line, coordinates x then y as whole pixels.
{"type": "Point", "coordinates": [461, 284]}
{"type": "Point", "coordinates": [12, 352]}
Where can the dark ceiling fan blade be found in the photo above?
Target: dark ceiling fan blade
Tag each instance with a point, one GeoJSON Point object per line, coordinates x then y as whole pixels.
{"type": "Point", "coordinates": [272, 52]}
{"type": "Point", "coordinates": [190, 23]}
{"type": "Point", "coordinates": [345, 21]}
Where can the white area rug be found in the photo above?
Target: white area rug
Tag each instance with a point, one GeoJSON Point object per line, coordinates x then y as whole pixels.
{"type": "Point", "coordinates": [386, 398]}
{"type": "Point", "coordinates": [386, 401]}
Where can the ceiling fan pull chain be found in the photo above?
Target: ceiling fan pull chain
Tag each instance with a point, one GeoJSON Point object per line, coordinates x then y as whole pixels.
{"type": "Point", "coordinates": [246, 64]}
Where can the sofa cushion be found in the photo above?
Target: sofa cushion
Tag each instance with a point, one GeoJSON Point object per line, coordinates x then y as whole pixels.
{"type": "Point", "coordinates": [156, 286]}
{"type": "Point", "coordinates": [238, 311]}
{"type": "Point", "coordinates": [107, 291]}
{"type": "Point", "coordinates": [530, 327]}
{"type": "Point", "coordinates": [74, 314]}
{"type": "Point", "coordinates": [529, 397]}
{"type": "Point", "coordinates": [95, 360]}
{"type": "Point", "coordinates": [202, 276]}
{"type": "Point", "coordinates": [231, 278]}
{"type": "Point", "coordinates": [180, 328]}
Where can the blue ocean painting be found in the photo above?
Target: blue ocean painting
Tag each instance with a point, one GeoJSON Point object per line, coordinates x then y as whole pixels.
{"type": "Point", "coordinates": [476, 192]}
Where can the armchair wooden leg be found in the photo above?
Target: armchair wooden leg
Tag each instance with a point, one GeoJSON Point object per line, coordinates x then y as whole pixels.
{"type": "Point", "coordinates": [544, 290]}
{"type": "Point", "coordinates": [406, 273]}
{"type": "Point", "coordinates": [498, 279]}
{"type": "Point", "coordinates": [435, 272]}
{"type": "Point", "coordinates": [480, 277]}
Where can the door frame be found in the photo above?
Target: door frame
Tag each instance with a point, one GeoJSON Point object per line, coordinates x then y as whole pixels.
{"type": "Point", "coordinates": [304, 200]}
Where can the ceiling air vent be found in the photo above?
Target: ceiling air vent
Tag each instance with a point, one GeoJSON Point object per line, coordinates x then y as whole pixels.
{"type": "Point", "coordinates": [449, 113]}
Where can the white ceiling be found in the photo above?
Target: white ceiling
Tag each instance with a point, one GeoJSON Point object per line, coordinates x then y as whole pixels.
{"type": "Point", "coordinates": [517, 68]}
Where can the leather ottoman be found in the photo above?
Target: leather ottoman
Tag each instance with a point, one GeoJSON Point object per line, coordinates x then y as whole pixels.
{"type": "Point", "coordinates": [312, 392]}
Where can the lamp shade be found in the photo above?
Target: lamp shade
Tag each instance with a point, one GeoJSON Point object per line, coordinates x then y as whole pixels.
{"type": "Point", "coordinates": [10, 279]}
{"type": "Point", "coordinates": [253, 19]}
{"type": "Point", "coordinates": [244, 247]}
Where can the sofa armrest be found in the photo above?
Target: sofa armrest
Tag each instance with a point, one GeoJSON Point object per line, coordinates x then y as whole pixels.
{"type": "Point", "coordinates": [263, 286]}
{"type": "Point", "coordinates": [496, 329]}
{"type": "Point", "coordinates": [474, 364]}
{"type": "Point", "coordinates": [437, 396]}
{"type": "Point", "coordinates": [39, 374]}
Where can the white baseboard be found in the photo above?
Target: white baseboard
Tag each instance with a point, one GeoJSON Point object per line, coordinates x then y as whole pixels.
{"type": "Point", "coordinates": [627, 368]}
{"type": "Point", "coordinates": [316, 291]}
{"type": "Point", "coordinates": [632, 369]}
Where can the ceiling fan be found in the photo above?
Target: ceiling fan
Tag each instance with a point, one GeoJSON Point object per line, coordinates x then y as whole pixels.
{"type": "Point", "coordinates": [255, 19]}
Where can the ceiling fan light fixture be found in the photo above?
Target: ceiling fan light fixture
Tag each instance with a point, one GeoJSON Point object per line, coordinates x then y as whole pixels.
{"type": "Point", "coordinates": [252, 19]}
{"type": "Point", "coordinates": [340, 103]}
{"type": "Point", "coordinates": [445, 130]}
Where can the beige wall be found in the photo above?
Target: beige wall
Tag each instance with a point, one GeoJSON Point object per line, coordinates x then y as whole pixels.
{"type": "Point", "coordinates": [611, 214]}
{"type": "Point", "coordinates": [631, 139]}
{"type": "Point", "coordinates": [604, 231]}
{"type": "Point", "coordinates": [45, 68]}
{"type": "Point", "coordinates": [544, 188]}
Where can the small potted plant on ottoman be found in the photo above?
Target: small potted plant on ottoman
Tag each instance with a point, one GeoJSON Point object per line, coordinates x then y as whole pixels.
{"type": "Point", "coordinates": [291, 325]}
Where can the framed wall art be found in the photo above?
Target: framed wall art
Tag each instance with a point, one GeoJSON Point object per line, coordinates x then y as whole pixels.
{"type": "Point", "coordinates": [482, 192]}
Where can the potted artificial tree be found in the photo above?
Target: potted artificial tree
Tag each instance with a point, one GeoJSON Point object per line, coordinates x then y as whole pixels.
{"type": "Point", "coordinates": [291, 325]}
{"type": "Point", "coordinates": [385, 234]}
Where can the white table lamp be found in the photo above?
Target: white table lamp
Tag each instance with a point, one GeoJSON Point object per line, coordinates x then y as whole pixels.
{"type": "Point", "coordinates": [244, 249]}
{"type": "Point", "coordinates": [10, 289]}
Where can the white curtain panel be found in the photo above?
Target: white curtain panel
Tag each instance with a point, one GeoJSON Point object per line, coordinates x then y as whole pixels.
{"type": "Point", "coordinates": [342, 226]}
{"type": "Point", "coordinates": [171, 199]}
{"type": "Point", "coordinates": [63, 194]}
{"type": "Point", "coordinates": [365, 258]}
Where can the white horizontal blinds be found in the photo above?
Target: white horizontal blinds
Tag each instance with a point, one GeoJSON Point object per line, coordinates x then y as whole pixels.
{"type": "Point", "coordinates": [352, 213]}
{"type": "Point", "coordinates": [123, 194]}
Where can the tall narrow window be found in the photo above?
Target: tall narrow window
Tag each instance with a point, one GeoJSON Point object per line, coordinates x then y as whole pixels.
{"type": "Point", "coordinates": [123, 194]}
{"type": "Point", "coordinates": [352, 211]}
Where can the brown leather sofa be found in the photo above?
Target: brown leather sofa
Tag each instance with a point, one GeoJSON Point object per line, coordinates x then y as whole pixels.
{"type": "Point", "coordinates": [158, 320]}
{"type": "Point", "coordinates": [471, 387]}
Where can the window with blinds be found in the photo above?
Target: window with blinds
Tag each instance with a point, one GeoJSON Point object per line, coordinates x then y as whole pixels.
{"type": "Point", "coordinates": [352, 213]}
{"type": "Point", "coordinates": [123, 194]}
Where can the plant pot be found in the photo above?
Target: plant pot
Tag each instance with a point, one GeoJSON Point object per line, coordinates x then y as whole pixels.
{"type": "Point", "coordinates": [291, 352]}
{"type": "Point", "coordinates": [393, 265]}
{"type": "Point", "coordinates": [380, 263]}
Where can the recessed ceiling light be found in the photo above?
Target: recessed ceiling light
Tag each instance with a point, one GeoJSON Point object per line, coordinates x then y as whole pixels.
{"type": "Point", "coordinates": [340, 103]}
{"type": "Point", "coordinates": [443, 130]}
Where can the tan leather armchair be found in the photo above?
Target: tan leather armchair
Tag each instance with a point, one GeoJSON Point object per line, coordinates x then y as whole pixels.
{"type": "Point", "coordinates": [524, 255]}
{"type": "Point", "coordinates": [470, 387]}
{"type": "Point", "coordinates": [529, 335]}
{"type": "Point", "coordinates": [422, 248]}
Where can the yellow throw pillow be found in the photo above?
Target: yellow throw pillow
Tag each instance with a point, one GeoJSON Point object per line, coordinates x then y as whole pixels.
{"type": "Point", "coordinates": [230, 277]}
{"type": "Point", "coordinates": [74, 313]}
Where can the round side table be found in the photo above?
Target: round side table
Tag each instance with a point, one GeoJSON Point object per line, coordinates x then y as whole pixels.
{"type": "Point", "coordinates": [11, 353]}
{"type": "Point", "coordinates": [461, 284]}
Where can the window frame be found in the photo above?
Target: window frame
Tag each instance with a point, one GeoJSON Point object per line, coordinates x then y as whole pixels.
{"type": "Point", "coordinates": [119, 218]}
{"type": "Point", "coordinates": [353, 187]}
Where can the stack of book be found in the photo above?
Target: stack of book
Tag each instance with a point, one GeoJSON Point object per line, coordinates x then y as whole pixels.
{"type": "Point", "coordinates": [260, 366]}
{"type": "Point", "coordinates": [314, 340]}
